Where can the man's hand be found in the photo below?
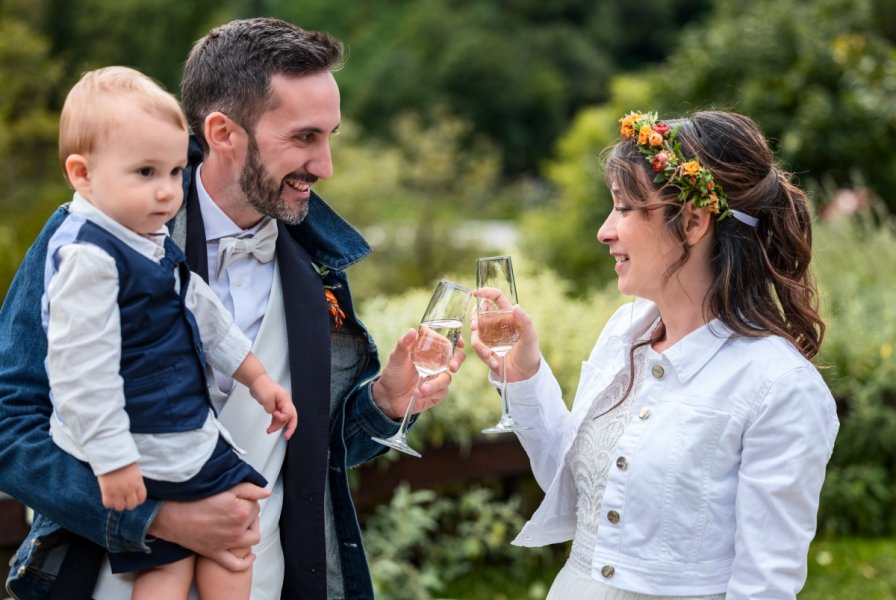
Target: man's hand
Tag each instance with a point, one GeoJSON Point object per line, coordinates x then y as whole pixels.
{"type": "Point", "coordinates": [215, 524]}
{"type": "Point", "coordinates": [123, 489]}
{"type": "Point", "coordinates": [395, 387]}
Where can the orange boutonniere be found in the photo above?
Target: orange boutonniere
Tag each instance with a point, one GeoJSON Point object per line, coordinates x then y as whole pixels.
{"type": "Point", "coordinates": [337, 314]}
{"type": "Point", "coordinates": [333, 305]}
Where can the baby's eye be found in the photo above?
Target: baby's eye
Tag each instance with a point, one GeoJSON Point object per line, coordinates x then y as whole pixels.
{"type": "Point", "coordinates": [177, 172]}
{"type": "Point", "coordinates": [145, 171]}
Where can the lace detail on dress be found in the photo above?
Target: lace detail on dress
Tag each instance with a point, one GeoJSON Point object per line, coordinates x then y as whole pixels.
{"type": "Point", "coordinates": [590, 457]}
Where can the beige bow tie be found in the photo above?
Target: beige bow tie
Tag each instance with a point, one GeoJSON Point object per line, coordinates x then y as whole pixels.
{"type": "Point", "coordinates": [261, 246]}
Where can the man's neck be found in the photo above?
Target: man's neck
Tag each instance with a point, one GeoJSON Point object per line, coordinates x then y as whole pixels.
{"type": "Point", "coordinates": [221, 181]}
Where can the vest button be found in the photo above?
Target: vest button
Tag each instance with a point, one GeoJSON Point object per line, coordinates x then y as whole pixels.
{"type": "Point", "coordinates": [613, 517]}
{"type": "Point", "coordinates": [658, 371]}
{"type": "Point", "coordinates": [644, 414]}
{"type": "Point", "coordinates": [607, 571]}
{"type": "Point", "coordinates": [622, 463]}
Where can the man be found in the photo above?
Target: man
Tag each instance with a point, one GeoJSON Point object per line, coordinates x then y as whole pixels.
{"type": "Point", "coordinates": [262, 102]}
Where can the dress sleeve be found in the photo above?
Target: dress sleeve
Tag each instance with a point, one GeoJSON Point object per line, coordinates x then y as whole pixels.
{"type": "Point", "coordinates": [84, 357]}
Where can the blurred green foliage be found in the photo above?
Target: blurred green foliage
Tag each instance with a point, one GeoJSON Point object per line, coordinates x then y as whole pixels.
{"type": "Point", "coordinates": [853, 264]}
{"type": "Point", "coordinates": [461, 116]}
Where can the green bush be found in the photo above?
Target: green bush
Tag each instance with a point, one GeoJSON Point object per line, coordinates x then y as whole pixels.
{"type": "Point", "coordinates": [422, 541]}
{"type": "Point", "coordinates": [854, 262]}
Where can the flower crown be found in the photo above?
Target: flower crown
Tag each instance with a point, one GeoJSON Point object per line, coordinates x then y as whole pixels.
{"type": "Point", "coordinates": [656, 141]}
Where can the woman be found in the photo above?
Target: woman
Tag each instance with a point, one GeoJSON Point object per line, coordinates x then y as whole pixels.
{"type": "Point", "coordinates": [691, 462]}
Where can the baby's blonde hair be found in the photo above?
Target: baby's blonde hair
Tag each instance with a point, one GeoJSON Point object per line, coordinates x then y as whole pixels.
{"type": "Point", "coordinates": [90, 111]}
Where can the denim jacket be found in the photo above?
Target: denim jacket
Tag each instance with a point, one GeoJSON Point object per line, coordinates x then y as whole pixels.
{"type": "Point", "coordinates": [63, 491]}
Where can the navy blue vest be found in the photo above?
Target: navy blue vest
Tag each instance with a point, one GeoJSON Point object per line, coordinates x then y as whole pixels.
{"type": "Point", "coordinates": [162, 362]}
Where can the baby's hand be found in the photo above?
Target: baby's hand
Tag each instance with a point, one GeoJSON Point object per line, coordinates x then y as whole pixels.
{"type": "Point", "coordinates": [123, 488]}
{"type": "Point", "coordinates": [277, 403]}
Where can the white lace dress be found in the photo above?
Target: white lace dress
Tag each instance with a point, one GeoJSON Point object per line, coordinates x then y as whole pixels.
{"type": "Point", "coordinates": [589, 459]}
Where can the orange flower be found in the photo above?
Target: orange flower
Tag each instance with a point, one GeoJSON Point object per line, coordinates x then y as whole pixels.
{"type": "Point", "coordinates": [333, 306]}
{"type": "Point", "coordinates": [655, 139]}
{"type": "Point", "coordinates": [628, 125]}
{"type": "Point", "coordinates": [643, 134]}
{"type": "Point", "coordinates": [713, 204]}
{"type": "Point", "coordinates": [692, 167]}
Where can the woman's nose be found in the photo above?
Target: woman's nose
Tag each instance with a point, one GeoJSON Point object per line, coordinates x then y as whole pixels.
{"type": "Point", "coordinates": [607, 231]}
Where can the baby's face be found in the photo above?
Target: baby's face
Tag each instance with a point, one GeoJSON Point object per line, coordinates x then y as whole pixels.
{"type": "Point", "coordinates": [136, 171]}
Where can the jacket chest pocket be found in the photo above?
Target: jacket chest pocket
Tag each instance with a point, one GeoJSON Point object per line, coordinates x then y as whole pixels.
{"type": "Point", "coordinates": [677, 489]}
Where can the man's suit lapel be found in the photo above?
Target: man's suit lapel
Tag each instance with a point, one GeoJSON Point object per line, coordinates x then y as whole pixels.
{"type": "Point", "coordinates": [305, 467]}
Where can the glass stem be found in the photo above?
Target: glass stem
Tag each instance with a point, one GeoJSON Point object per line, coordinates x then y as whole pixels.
{"type": "Point", "coordinates": [505, 408]}
{"type": "Point", "coordinates": [403, 428]}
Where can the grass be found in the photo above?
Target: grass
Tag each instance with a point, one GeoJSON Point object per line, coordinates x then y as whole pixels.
{"type": "Point", "coordinates": [839, 569]}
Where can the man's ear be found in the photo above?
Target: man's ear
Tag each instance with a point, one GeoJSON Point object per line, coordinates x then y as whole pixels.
{"type": "Point", "coordinates": [77, 171]}
{"type": "Point", "coordinates": [224, 135]}
{"type": "Point", "coordinates": [697, 223]}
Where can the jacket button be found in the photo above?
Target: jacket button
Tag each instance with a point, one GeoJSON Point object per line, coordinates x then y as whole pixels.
{"type": "Point", "coordinates": [645, 413]}
{"type": "Point", "coordinates": [613, 517]}
{"type": "Point", "coordinates": [622, 463]}
{"type": "Point", "coordinates": [607, 571]}
{"type": "Point", "coordinates": [22, 571]}
{"type": "Point", "coordinates": [658, 371]}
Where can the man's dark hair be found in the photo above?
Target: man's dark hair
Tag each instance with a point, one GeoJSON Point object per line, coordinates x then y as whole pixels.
{"type": "Point", "coordinates": [230, 69]}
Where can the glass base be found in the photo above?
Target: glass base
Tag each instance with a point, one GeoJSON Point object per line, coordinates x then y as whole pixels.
{"type": "Point", "coordinates": [506, 425]}
{"type": "Point", "coordinates": [397, 443]}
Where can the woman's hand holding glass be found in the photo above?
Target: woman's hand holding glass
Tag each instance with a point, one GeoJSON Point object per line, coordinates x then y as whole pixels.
{"type": "Point", "coordinates": [524, 359]}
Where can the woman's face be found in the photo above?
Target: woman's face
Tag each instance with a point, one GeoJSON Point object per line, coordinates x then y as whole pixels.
{"type": "Point", "coordinates": [643, 247]}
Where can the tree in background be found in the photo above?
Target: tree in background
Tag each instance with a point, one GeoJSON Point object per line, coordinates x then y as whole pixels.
{"type": "Point", "coordinates": [517, 70]}
{"type": "Point", "coordinates": [819, 78]}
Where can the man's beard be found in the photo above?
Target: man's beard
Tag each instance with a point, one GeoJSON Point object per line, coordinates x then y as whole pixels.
{"type": "Point", "coordinates": [265, 194]}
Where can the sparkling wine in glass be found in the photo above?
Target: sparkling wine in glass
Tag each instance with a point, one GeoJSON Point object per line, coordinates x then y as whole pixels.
{"type": "Point", "coordinates": [496, 326]}
{"type": "Point", "coordinates": [437, 338]}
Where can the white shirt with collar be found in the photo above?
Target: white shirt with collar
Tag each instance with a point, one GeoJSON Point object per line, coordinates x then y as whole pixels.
{"type": "Point", "coordinates": [725, 457]}
{"type": "Point", "coordinates": [244, 287]}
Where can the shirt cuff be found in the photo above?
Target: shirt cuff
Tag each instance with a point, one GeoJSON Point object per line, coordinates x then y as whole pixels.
{"type": "Point", "coordinates": [110, 453]}
{"type": "Point", "coordinates": [228, 354]}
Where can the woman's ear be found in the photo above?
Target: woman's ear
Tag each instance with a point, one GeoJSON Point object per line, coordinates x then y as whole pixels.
{"type": "Point", "coordinates": [697, 223]}
{"type": "Point", "coordinates": [77, 171]}
{"type": "Point", "coordinates": [223, 134]}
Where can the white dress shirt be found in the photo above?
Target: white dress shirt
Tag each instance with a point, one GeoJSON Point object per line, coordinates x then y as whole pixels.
{"type": "Point", "coordinates": [84, 354]}
{"type": "Point", "coordinates": [244, 287]}
{"type": "Point", "coordinates": [724, 459]}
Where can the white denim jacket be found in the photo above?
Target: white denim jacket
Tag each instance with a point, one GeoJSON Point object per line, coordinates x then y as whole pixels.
{"type": "Point", "coordinates": [716, 483]}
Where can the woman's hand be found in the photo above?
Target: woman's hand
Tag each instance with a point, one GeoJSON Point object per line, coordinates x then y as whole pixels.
{"type": "Point", "coordinates": [524, 359]}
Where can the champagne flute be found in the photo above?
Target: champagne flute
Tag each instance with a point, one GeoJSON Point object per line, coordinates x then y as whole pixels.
{"type": "Point", "coordinates": [437, 338]}
{"type": "Point", "coordinates": [496, 326]}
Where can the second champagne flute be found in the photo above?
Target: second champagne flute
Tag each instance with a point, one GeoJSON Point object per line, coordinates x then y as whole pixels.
{"type": "Point", "coordinates": [496, 326]}
{"type": "Point", "coordinates": [436, 340]}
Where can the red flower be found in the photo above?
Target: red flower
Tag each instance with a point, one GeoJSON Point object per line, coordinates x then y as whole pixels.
{"type": "Point", "coordinates": [659, 162]}
{"type": "Point", "coordinates": [661, 128]}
